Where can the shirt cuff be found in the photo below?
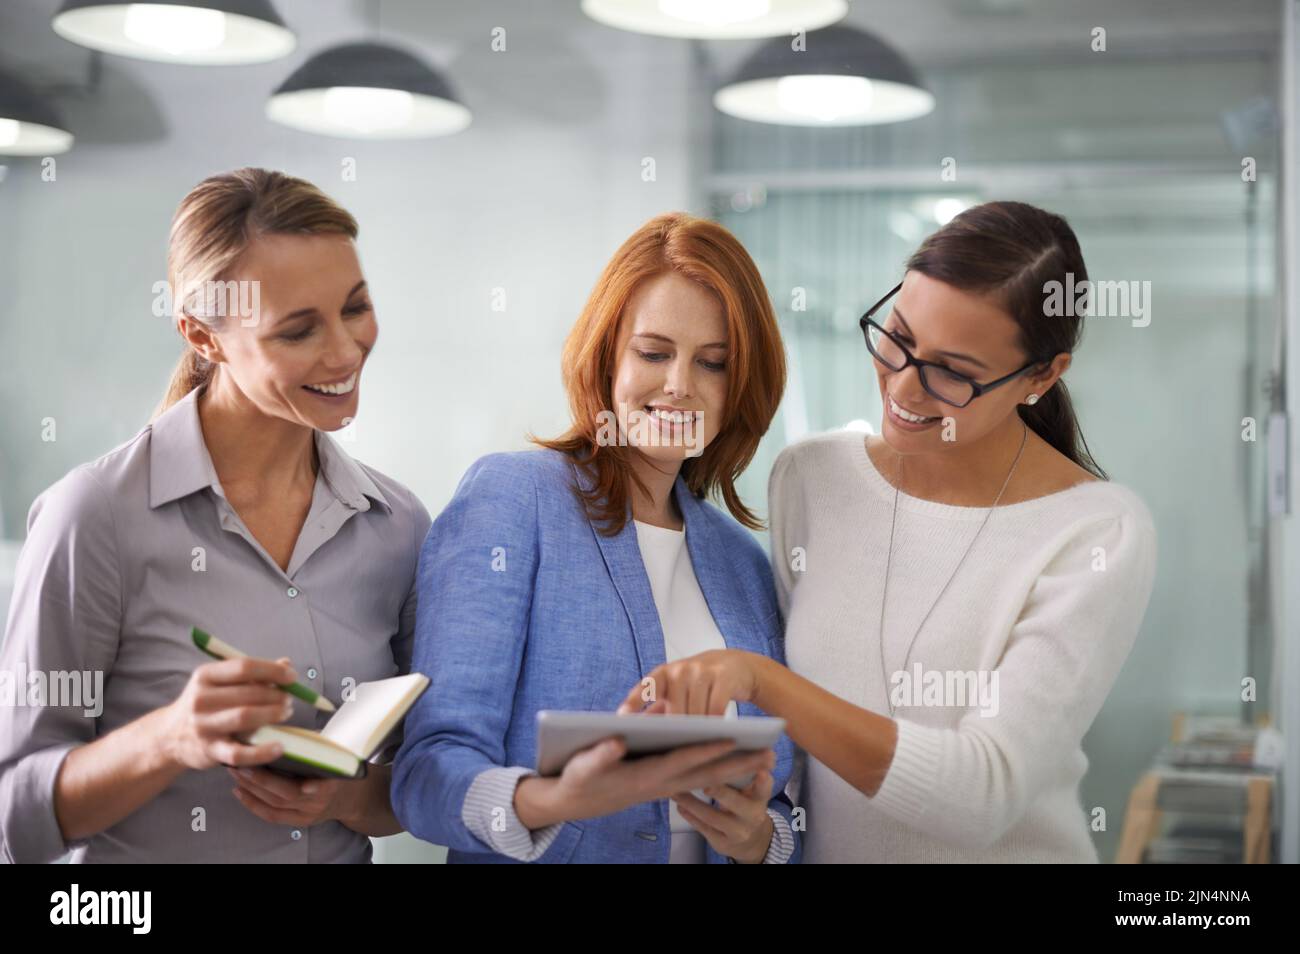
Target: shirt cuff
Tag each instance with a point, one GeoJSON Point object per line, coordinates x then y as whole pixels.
{"type": "Point", "coordinates": [913, 774]}
{"type": "Point", "coordinates": [33, 826]}
{"type": "Point", "coordinates": [781, 847]}
{"type": "Point", "coordinates": [489, 814]}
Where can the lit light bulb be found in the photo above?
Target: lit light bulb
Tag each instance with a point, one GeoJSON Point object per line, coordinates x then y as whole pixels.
{"type": "Point", "coordinates": [368, 110]}
{"type": "Point", "coordinates": [827, 98]}
{"type": "Point", "coordinates": [174, 30]}
{"type": "Point", "coordinates": [9, 130]}
{"type": "Point", "coordinates": [715, 12]}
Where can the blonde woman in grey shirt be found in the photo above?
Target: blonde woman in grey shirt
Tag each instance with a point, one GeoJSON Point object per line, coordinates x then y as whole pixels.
{"type": "Point", "coordinates": [232, 510]}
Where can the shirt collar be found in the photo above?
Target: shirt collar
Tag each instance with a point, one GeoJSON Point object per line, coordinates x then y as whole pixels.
{"type": "Point", "coordinates": [348, 479]}
{"type": "Point", "coordinates": [179, 462]}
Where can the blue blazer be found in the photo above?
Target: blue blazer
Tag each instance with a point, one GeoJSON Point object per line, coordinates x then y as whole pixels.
{"type": "Point", "coordinates": [523, 606]}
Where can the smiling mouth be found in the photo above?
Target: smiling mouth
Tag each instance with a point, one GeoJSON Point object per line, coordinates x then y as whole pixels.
{"type": "Point", "coordinates": [335, 388]}
{"type": "Point", "coordinates": [663, 414]}
{"type": "Point", "coordinates": [905, 414]}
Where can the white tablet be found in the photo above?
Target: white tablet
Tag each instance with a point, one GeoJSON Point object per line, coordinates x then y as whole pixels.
{"type": "Point", "coordinates": [560, 735]}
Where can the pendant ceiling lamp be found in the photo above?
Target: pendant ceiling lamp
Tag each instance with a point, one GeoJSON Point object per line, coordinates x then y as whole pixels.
{"type": "Point", "coordinates": [29, 126]}
{"type": "Point", "coordinates": [368, 91]}
{"type": "Point", "coordinates": [843, 77]}
{"type": "Point", "coordinates": [716, 19]}
{"type": "Point", "coordinates": [192, 32]}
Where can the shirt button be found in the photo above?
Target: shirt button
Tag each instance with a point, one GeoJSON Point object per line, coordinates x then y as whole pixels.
{"type": "Point", "coordinates": [295, 834]}
{"type": "Point", "coordinates": [311, 673]}
{"type": "Point", "coordinates": [292, 592]}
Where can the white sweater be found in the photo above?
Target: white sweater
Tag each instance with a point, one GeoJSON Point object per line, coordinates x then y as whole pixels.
{"type": "Point", "coordinates": [1043, 612]}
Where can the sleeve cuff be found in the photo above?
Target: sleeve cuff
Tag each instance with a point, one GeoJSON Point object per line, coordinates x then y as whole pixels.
{"type": "Point", "coordinates": [912, 775]}
{"type": "Point", "coordinates": [34, 835]}
{"type": "Point", "coordinates": [489, 814]}
{"type": "Point", "coordinates": [781, 847]}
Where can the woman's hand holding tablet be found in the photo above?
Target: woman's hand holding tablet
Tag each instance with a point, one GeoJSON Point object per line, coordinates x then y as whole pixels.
{"type": "Point", "coordinates": [599, 780]}
{"type": "Point", "coordinates": [656, 758]}
{"type": "Point", "coordinates": [561, 735]}
{"type": "Point", "coordinates": [736, 824]}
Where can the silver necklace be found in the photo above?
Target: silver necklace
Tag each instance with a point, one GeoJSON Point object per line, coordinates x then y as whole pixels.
{"type": "Point", "coordinates": [884, 673]}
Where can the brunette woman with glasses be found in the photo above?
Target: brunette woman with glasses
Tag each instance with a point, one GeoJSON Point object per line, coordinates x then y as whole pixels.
{"type": "Point", "coordinates": [960, 591]}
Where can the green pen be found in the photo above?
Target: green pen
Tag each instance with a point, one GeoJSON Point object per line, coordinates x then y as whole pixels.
{"type": "Point", "coordinates": [219, 650]}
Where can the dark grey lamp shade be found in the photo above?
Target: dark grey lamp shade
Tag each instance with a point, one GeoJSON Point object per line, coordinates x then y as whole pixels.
{"type": "Point", "coordinates": [844, 76]}
{"type": "Point", "coordinates": [368, 91]}
{"type": "Point", "coordinates": [29, 125]}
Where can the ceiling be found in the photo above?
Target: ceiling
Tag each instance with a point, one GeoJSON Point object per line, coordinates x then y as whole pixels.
{"type": "Point", "coordinates": [930, 32]}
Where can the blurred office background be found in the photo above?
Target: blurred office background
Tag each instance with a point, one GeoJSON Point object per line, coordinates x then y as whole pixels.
{"type": "Point", "coordinates": [1140, 145]}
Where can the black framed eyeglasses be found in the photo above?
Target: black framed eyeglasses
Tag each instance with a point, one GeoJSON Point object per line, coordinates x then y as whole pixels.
{"type": "Point", "coordinates": [940, 382]}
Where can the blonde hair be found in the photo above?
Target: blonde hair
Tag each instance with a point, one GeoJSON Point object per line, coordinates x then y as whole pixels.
{"type": "Point", "coordinates": [214, 225]}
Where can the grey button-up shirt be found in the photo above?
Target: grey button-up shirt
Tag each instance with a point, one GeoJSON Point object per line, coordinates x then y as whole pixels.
{"type": "Point", "coordinates": [122, 557]}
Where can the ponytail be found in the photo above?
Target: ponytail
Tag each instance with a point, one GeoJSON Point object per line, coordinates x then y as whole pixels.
{"type": "Point", "coordinates": [1052, 418]}
{"type": "Point", "coordinates": [192, 371]}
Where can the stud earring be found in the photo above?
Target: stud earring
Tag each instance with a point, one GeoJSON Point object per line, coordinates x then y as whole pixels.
{"type": "Point", "coordinates": [1032, 399]}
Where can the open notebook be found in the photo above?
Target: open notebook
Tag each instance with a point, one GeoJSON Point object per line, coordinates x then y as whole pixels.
{"type": "Point", "coordinates": [352, 735]}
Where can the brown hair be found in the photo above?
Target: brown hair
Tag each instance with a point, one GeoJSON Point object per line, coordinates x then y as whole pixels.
{"type": "Point", "coordinates": [1011, 250]}
{"type": "Point", "coordinates": [706, 253]}
{"type": "Point", "coordinates": [214, 226]}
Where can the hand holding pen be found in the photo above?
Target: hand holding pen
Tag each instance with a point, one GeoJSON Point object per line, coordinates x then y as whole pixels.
{"type": "Point", "coordinates": [219, 650]}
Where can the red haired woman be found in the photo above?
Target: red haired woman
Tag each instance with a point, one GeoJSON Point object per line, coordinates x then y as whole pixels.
{"type": "Point", "coordinates": [555, 576]}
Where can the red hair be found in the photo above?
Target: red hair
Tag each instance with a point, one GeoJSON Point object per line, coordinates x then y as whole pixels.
{"type": "Point", "coordinates": [706, 253]}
